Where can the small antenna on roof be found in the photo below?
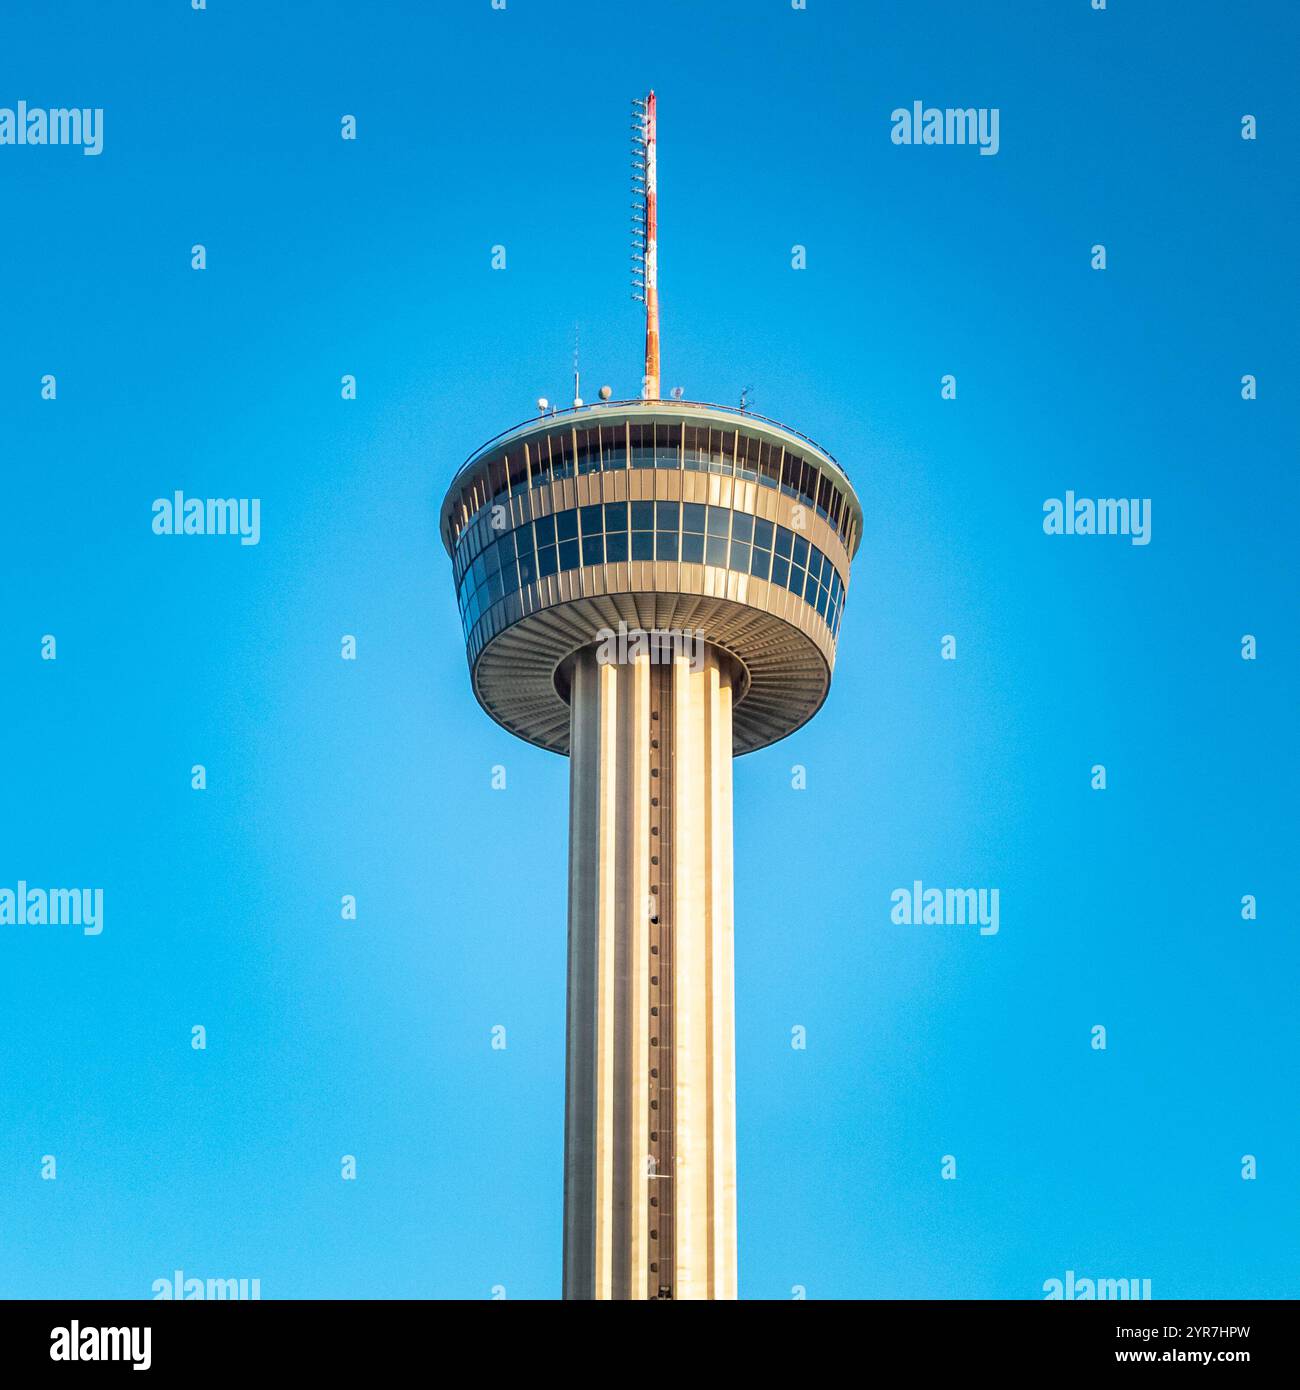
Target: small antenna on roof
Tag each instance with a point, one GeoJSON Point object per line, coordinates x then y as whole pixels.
{"type": "Point", "coordinates": [747, 398]}
{"type": "Point", "coordinates": [577, 380]}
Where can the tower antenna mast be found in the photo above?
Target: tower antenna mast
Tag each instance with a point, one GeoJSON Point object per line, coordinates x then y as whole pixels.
{"type": "Point", "coordinates": [645, 225]}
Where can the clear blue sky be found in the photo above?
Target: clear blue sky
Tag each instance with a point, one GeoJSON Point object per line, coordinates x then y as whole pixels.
{"type": "Point", "coordinates": [326, 1038]}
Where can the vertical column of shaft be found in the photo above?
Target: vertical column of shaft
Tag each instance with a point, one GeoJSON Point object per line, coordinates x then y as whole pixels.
{"type": "Point", "coordinates": [631, 870]}
{"type": "Point", "coordinates": [722, 997]}
{"type": "Point", "coordinates": [704, 999]}
{"type": "Point", "coordinates": [607, 1110]}
{"type": "Point", "coordinates": [588, 1083]}
{"type": "Point", "coordinates": [662, 1168]}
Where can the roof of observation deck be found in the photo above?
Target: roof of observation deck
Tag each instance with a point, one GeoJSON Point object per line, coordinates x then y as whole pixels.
{"type": "Point", "coordinates": [753, 424]}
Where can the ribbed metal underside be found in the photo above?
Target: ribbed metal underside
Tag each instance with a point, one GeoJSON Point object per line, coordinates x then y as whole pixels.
{"type": "Point", "coordinates": [787, 675]}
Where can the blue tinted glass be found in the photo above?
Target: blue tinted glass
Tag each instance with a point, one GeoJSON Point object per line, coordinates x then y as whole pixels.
{"type": "Point", "coordinates": [784, 542]}
{"type": "Point", "coordinates": [801, 550]}
{"type": "Point", "coordinates": [716, 551]}
{"type": "Point", "coordinates": [593, 550]}
{"type": "Point", "coordinates": [780, 570]}
{"type": "Point", "coordinates": [742, 527]}
{"type": "Point", "coordinates": [545, 528]}
{"type": "Point", "coordinates": [616, 547]}
{"type": "Point", "coordinates": [493, 587]}
{"type": "Point", "coordinates": [821, 601]}
{"type": "Point", "coordinates": [566, 523]}
{"type": "Point", "coordinates": [568, 555]}
{"type": "Point", "coordinates": [693, 517]}
{"type": "Point", "coordinates": [643, 545]}
{"type": "Point", "coordinates": [592, 524]}
{"type": "Point", "coordinates": [739, 555]}
{"type": "Point", "coordinates": [666, 516]}
{"type": "Point", "coordinates": [692, 548]}
{"type": "Point", "coordinates": [615, 516]}
{"type": "Point", "coordinates": [527, 569]}
{"type": "Point", "coordinates": [666, 545]}
{"type": "Point", "coordinates": [643, 516]}
{"type": "Point", "coordinates": [763, 533]}
{"type": "Point", "coordinates": [810, 590]}
{"type": "Point", "coordinates": [546, 560]}
{"type": "Point", "coordinates": [719, 520]}
{"type": "Point", "coordinates": [759, 565]}
{"type": "Point", "coordinates": [797, 580]}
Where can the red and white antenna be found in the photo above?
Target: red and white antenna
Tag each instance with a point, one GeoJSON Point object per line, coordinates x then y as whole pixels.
{"type": "Point", "coordinates": [645, 218]}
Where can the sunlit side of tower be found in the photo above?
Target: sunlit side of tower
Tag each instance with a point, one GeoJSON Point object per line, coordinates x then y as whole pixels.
{"type": "Point", "coordinates": [650, 587]}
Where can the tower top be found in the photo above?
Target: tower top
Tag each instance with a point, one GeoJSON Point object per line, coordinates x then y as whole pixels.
{"type": "Point", "coordinates": [659, 515]}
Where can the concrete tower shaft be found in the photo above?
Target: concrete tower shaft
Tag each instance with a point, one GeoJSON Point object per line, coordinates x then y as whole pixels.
{"type": "Point", "coordinates": [650, 1142]}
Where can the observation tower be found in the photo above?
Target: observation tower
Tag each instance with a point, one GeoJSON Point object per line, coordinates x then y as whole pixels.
{"type": "Point", "coordinates": [651, 587]}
